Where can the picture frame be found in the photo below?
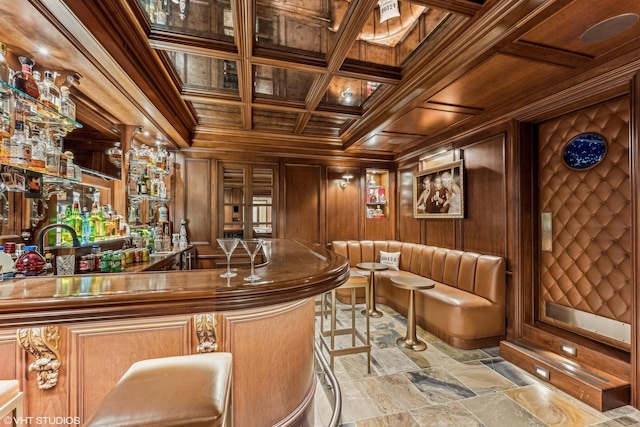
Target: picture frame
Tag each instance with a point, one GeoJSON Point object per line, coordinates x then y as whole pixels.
{"type": "Point", "coordinates": [444, 197]}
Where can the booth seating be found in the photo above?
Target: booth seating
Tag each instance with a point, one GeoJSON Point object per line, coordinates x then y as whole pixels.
{"type": "Point", "coordinates": [192, 390]}
{"type": "Point", "coordinates": [466, 308]}
{"type": "Point", "coordinates": [11, 402]}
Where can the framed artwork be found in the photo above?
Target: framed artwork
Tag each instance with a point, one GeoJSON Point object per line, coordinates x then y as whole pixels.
{"type": "Point", "coordinates": [439, 192]}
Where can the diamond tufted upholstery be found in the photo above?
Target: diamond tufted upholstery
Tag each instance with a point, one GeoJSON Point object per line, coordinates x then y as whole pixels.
{"type": "Point", "coordinates": [589, 267]}
{"type": "Point", "coordinates": [466, 308]}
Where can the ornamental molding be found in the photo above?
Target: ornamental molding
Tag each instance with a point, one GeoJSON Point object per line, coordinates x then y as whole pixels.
{"type": "Point", "coordinates": [42, 343]}
{"type": "Point", "coordinates": [205, 326]}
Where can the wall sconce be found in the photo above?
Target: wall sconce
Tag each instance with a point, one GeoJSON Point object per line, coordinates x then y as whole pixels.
{"type": "Point", "coordinates": [346, 179]}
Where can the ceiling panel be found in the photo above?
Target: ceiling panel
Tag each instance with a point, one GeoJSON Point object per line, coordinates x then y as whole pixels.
{"type": "Point", "coordinates": [425, 121]}
{"type": "Point", "coordinates": [563, 30]}
{"type": "Point", "coordinates": [487, 84]}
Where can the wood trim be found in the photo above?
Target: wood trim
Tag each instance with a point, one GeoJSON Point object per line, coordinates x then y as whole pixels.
{"type": "Point", "coordinates": [634, 157]}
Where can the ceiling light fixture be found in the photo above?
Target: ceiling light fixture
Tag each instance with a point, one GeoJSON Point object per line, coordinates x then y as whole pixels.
{"type": "Point", "coordinates": [388, 9]}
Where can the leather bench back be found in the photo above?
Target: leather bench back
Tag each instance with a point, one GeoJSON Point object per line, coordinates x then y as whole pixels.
{"type": "Point", "coordinates": [483, 275]}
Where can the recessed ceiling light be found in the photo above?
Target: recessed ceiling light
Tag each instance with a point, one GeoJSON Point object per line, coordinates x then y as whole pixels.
{"type": "Point", "coordinates": [609, 28]}
{"type": "Point", "coordinates": [43, 51]}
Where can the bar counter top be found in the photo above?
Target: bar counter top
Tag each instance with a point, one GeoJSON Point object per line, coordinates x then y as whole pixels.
{"type": "Point", "coordinates": [295, 271]}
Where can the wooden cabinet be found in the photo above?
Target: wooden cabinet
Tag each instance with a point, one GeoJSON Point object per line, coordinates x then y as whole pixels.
{"type": "Point", "coordinates": [246, 200]}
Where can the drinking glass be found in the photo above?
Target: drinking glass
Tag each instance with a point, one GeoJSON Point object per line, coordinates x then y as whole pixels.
{"type": "Point", "coordinates": [228, 246]}
{"type": "Point", "coordinates": [252, 246]}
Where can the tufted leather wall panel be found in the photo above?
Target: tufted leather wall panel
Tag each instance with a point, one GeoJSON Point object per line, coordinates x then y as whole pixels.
{"type": "Point", "coordinates": [589, 265]}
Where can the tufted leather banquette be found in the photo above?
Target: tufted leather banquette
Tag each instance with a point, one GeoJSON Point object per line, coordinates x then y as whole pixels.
{"type": "Point", "coordinates": [466, 308]}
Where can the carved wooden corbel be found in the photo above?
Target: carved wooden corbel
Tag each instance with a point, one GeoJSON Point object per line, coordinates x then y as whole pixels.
{"type": "Point", "coordinates": [42, 343]}
{"type": "Point", "coordinates": [205, 325]}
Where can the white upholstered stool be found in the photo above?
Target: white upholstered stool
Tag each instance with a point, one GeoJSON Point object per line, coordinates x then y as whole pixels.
{"type": "Point", "coordinates": [192, 390]}
{"type": "Point", "coordinates": [328, 337]}
{"type": "Point", "coordinates": [11, 401]}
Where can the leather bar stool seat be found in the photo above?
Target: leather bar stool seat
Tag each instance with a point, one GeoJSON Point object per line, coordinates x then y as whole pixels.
{"type": "Point", "coordinates": [192, 390]}
{"type": "Point", "coordinates": [11, 401]}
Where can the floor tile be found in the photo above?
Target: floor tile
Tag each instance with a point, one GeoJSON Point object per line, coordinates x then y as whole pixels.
{"type": "Point", "coordinates": [479, 378]}
{"type": "Point", "coordinates": [393, 393]}
{"type": "Point", "coordinates": [498, 410]}
{"type": "Point", "coordinates": [446, 415]}
{"type": "Point", "coordinates": [552, 407]}
{"type": "Point", "coordinates": [439, 386]}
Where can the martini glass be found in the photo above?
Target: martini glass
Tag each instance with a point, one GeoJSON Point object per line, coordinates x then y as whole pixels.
{"type": "Point", "coordinates": [252, 246]}
{"type": "Point", "coordinates": [228, 246]}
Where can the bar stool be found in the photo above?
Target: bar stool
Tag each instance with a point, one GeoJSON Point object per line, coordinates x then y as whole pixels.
{"type": "Point", "coordinates": [355, 281]}
{"type": "Point", "coordinates": [192, 390]}
{"type": "Point", "coordinates": [11, 401]}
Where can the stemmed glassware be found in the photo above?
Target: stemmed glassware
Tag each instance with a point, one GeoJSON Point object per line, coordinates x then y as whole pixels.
{"type": "Point", "coordinates": [228, 246]}
{"type": "Point", "coordinates": [252, 246]}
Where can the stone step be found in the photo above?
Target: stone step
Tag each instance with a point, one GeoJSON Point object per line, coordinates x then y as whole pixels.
{"type": "Point", "coordinates": [588, 384]}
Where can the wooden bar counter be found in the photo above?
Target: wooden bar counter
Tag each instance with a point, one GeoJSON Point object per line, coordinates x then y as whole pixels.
{"type": "Point", "coordinates": [69, 339]}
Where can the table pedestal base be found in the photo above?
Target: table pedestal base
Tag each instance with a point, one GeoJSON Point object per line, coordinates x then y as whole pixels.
{"type": "Point", "coordinates": [411, 344]}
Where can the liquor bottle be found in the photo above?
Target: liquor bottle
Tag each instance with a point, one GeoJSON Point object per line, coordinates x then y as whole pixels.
{"type": "Point", "coordinates": [183, 234]}
{"type": "Point", "coordinates": [20, 151]}
{"type": "Point", "coordinates": [49, 96]}
{"type": "Point", "coordinates": [96, 217]}
{"type": "Point", "coordinates": [109, 230]}
{"type": "Point", "coordinates": [67, 219]}
{"type": "Point", "coordinates": [76, 215]}
{"type": "Point", "coordinates": [23, 80]}
{"type": "Point", "coordinates": [38, 151]}
{"type": "Point", "coordinates": [67, 106]}
{"type": "Point", "coordinates": [52, 156]}
{"type": "Point", "coordinates": [86, 227]}
{"type": "Point", "coordinates": [142, 183]}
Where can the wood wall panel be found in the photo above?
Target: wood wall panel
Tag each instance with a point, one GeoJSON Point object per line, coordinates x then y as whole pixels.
{"type": "Point", "coordinates": [100, 353]}
{"type": "Point", "coordinates": [485, 224]}
{"type": "Point", "coordinates": [302, 202]}
{"type": "Point", "coordinates": [198, 187]}
{"type": "Point", "coordinates": [343, 210]}
{"type": "Point", "coordinates": [409, 228]}
{"type": "Point", "coordinates": [441, 232]}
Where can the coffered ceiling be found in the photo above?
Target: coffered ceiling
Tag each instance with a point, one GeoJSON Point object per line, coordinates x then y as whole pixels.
{"type": "Point", "coordinates": [325, 77]}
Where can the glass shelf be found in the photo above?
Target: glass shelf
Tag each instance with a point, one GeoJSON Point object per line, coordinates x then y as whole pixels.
{"type": "Point", "coordinates": [50, 117]}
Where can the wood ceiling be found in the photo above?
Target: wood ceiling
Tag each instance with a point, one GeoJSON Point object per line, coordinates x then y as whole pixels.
{"type": "Point", "coordinates": [324, 77]}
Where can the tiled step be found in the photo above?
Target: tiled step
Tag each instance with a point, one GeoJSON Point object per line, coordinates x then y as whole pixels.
{"type": "Point", "coordinates": [590, 385]}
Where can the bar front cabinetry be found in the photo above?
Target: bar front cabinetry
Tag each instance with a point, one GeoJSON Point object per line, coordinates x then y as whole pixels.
{"type": "Point", "coordinates": [92, 356]}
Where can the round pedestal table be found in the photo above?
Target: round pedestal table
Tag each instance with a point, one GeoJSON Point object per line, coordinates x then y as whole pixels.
{"type": "Point", "coordinates": [372, 267]}
{"type": "Point", "coordinates": [412, 283]}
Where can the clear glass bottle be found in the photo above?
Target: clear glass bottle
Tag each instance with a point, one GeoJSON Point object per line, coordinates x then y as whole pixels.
{"type": "Point", "coordinates": [52, 155]}
{"type": "Point", "coordinates": [67, 106]}
{"type": "Point", "coordinates": [20, 147]}
{"type": "Point", "coordinates": [24, 80]}
{"type": "Point", "coordinates": [49, 95]}
{"type": "Point", "coordinates": [183, 234]}
{"type": "Point", "coordinates": [71, 168]}
{"type": "Point", "coordinates": [4, 66]}
{"type": "Point", "coordinates": [38, 151]}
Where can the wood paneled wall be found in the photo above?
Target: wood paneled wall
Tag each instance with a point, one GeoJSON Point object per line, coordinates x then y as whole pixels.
{"type": "Point", "coordinates": [344, 220]}
{"type": "Point", "coordinates": [303, 202]}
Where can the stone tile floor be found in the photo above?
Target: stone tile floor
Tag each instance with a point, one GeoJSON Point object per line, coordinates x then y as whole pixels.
{"type": "Point", "coordinates": [444, 386]}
